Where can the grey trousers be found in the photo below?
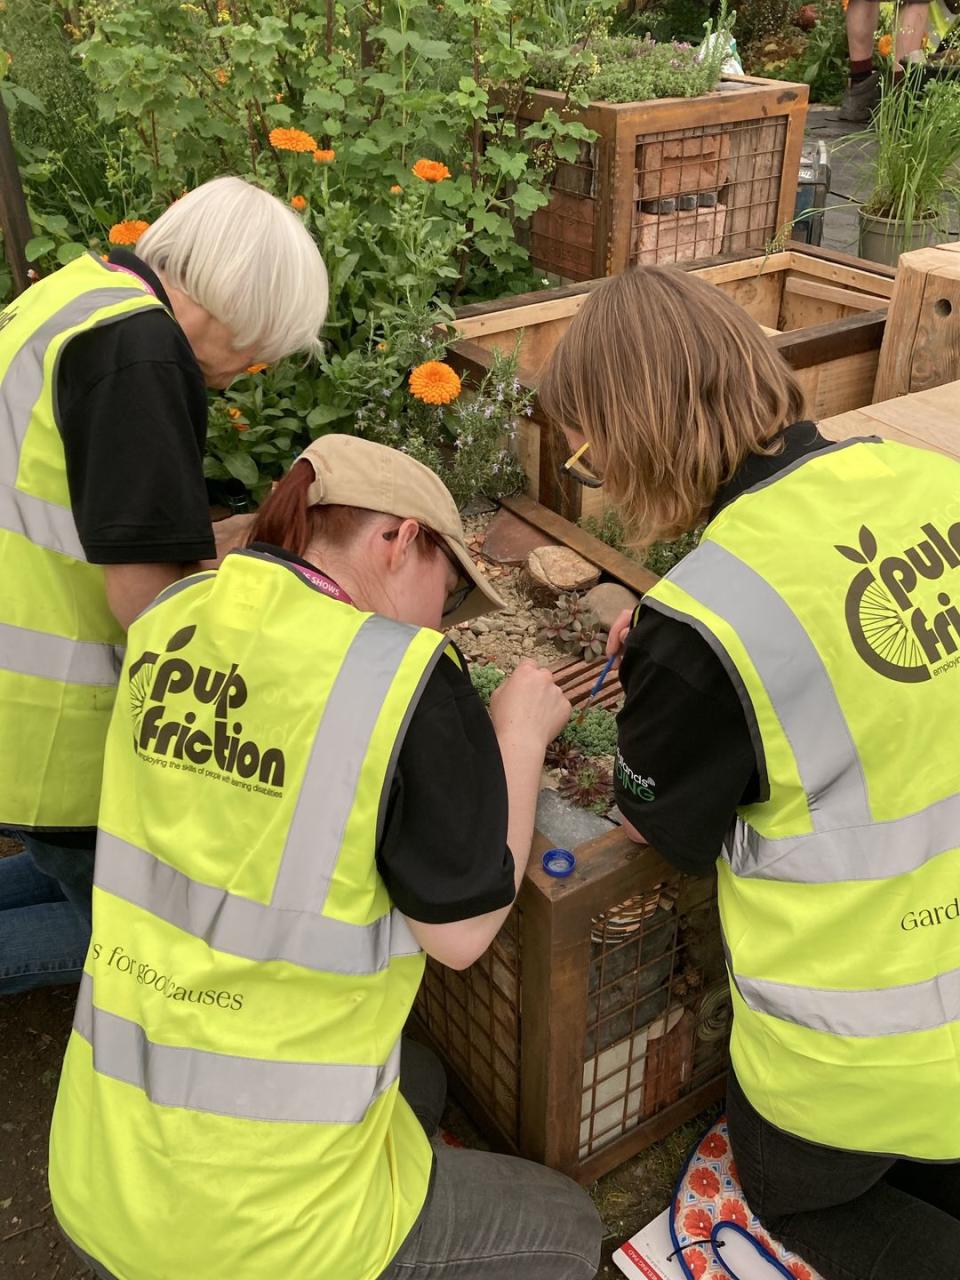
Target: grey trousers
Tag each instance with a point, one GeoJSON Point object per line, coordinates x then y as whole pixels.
{"type": "Point", "coordinates": [486, 1217]}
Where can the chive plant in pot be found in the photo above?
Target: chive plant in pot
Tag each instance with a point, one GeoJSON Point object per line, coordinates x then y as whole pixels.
{"type": "Point", "coordinates": [915, 180]}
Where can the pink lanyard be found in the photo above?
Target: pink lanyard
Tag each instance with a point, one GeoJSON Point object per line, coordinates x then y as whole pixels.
{"type": "Point", "coordinates": [324, 584]}
{"type": "Point", "coordinates": [113, 266]}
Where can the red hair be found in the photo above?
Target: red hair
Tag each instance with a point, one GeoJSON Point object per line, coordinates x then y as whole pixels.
{"type": "Point", "coordinates": [287, 519]}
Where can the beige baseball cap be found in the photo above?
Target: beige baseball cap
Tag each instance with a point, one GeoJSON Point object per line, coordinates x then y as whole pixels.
{"type": "Point", "coordinates": [352, 472]}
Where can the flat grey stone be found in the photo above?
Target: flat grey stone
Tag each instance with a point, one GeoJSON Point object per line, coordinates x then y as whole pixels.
{"type": "Point", "coordinates": [563, 824]}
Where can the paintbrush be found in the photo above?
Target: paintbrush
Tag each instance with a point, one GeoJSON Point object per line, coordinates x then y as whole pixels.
{"type": "Point", "coordinates": [601, 678]}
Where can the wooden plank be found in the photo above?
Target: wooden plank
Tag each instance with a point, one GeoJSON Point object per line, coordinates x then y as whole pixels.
{"type": "Point", "coordinates": [519, 317]}
{"type": "Point", "coordinates": [921, 347]}
{"type": "Point", "coordinates": [861, 278]}
{"type": "Point", "coordinates": [746, 266]}
{"type": "Point", "coordinates": [839, 385]}
{"type": "Point", "coordinates": [926, 419]}
{"type": "Point", "coordinates": [612, 562]}
{"type": "Point", "coordinates": [816, 252]}
{"type": "Point", "coordinates": [14, 219]}
{"type": "Point", "coordinates": [555, 967]}
{"type": "Point", "coordinates": [802, 348]}
{"type": "Point", "coordinates": [805, 288]}
{"type": "Point", "coordinates": [790, 174]}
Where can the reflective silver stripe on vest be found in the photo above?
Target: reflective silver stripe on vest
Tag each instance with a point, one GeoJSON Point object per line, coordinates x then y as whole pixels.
{"type": "Point", "coordinates": [849, 853]}
{"type": "Point", "coordinates": [244, 1088]}
{"type": "Point", "coordinates": [43, 523]}
{"type": "Point", "coordinates": [20, 389]}
{"type": "Point", "coordinates": [35, 653]}
{"type": "Point", "coordinates": [889, 1011]}
{"type": "Point", "coordinates": [339, 749]}
{"type": "Point", "coordinates": [793, 675]}
{"type": "Point", "coordinates": [240, 927]}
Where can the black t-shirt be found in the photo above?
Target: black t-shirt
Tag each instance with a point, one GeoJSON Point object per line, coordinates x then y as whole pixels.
{"type": "Point", "coordinates": [443, 852]}
{"type": "Point", "coordinates": [686, 757]}
{"type": "Point", "coordinates": [133, 418]}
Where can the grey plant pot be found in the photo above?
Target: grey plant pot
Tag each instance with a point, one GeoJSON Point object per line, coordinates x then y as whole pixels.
{"type": "Point", "coordinates": [882, 239]}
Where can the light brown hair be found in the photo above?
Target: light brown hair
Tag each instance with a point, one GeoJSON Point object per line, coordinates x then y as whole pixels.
{"type": "Point", "coordinates": [674, 385]}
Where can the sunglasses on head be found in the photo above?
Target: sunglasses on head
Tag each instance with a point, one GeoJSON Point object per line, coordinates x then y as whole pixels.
{"type": "Point", "coordinates": [579, 471]}
{"type": "Point", "coordinates": [464, 586]}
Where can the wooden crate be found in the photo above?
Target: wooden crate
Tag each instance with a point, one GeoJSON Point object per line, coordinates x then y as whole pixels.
{"type": "Point", "coordinates": [824, 312]}
{"type": "Point", "coordinates": [740, 143]}
{"type": "Point", "coordinates": [597, 1022]}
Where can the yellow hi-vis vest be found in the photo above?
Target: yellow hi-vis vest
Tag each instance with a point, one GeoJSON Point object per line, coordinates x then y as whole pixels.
{"type": "Point", "coordinates": [839, 891]}
{"type": "Point", "coordinates": [229, 1105]}
{"type": "Point", "coordinates": [58, 656]}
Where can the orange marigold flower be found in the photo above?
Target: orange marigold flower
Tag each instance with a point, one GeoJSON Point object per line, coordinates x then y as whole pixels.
{"type": "Point", "coordinates": [434, 383]}
{"type": "Point", "coordinates": [324, 157]}
{"type": "Point", "coordinates": [233, 412]}
{"type": "Point", "coordinates": [299, 203]}
{"type": "Point", "coordinates": [223, 77]}
{"type": "Point", "coordinates": [255, 368]}
{"type": "Point", "coordinates": [885, 46]}
{"type": "Point", "coordinates": [126, 232]}
{"type": "Point", "coordinates": [292, 140]}
{"type": "Point", "coordinates": [396, 189]}
{"type": "Point", "coordinates": [430, 170]}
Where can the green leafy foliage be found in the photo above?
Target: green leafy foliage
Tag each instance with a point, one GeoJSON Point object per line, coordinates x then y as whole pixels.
{"type": "Point", "coordinates": [916, 132]}
{"type": "Point", "coordinates": [485, 679]}
{"type": "Point", "coordinates": [167, 94]}
{"type": "Point", "coordinates": [627, 69]}
{"type": "Point", "coordinates": [660, 557]}
{"type": "Point", "coordinates": [595, 734]}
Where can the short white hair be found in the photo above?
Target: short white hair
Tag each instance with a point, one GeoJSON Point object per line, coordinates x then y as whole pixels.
{"type": "Point", "coordinates": [244, 256]}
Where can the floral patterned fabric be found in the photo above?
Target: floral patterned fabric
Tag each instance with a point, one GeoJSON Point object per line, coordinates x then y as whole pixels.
{"type": "Point", "coordinates": [710, 1193]}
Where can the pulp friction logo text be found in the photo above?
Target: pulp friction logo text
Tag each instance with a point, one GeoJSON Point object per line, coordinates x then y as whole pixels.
{"type": "Point", "coordinates": [184, 717]}
{"type": "Point", "coordinates": [902, 626]}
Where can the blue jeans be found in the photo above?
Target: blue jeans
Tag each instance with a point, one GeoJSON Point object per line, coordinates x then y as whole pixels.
{"type": "Point", "coordinates": [44, 914]}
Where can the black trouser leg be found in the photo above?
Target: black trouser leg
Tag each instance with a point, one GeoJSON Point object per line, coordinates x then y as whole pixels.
{"type": "Point", "coordinates": [850, 1215]}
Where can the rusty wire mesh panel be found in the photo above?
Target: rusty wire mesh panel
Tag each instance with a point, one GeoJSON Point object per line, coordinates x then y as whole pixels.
{"type": "Point", "coordinates": [707, 190]}
{"type": "Point", "coordinates": [562, 236]}
{"type": "Point", "coordinates": [658, 1009]}
{"type": "Point", "coordinates": [475, 1016]}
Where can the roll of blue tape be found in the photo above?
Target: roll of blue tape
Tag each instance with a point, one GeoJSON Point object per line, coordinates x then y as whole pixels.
{"type": "Point", "coordinates": [558, 862]}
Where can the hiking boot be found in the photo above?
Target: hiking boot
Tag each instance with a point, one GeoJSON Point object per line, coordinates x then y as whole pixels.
{"type": "Point", "coordinates": [861, 98]}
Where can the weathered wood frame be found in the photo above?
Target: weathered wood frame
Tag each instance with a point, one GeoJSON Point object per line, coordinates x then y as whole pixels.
{"type": "Point", "coordinates": [554, 964]}
{"type": "Point", "coordinates": [835, 305]}
{"type": "Point", "coordinates": [619, 127]}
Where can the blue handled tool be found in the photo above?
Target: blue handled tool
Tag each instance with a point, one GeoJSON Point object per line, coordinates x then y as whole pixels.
{"type": "Point", "coordinates": [596, 688]}
{"type": "Point", "coordinates": [601, 678]}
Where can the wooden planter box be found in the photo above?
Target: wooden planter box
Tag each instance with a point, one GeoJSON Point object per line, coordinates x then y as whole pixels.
{"type": "Point", "coordinates": [824, 312]}
{"type": "Point", "coordinates": [738, 147]}
{"type": "Point", "coordinates": [598, 1020]}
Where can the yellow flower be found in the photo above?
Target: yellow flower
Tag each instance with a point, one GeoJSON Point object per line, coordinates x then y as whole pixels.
{"type": "Point", "coordinates": [396, 189]}
{"type": "Point", "coordinates": [324, 157]}
{"type": "Point", "coordinates": [383, 346]}
{"type": "Point", "coordinates": [430, 170]}
{"type": "Point", "coordinates": [299, 203]}
{"type": "Point", "coordinates": [434, 382]}
{"type": "Point", "coordinates": [236, 419]}
{"type": "Point", "coordinates": [885, 46]}
{"type": "Point", "coordinates": [255, 368]}
{"type": "Point", "coordinates": [126, 232]}
{"type": "Point", "coordinates": [292, 140]}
